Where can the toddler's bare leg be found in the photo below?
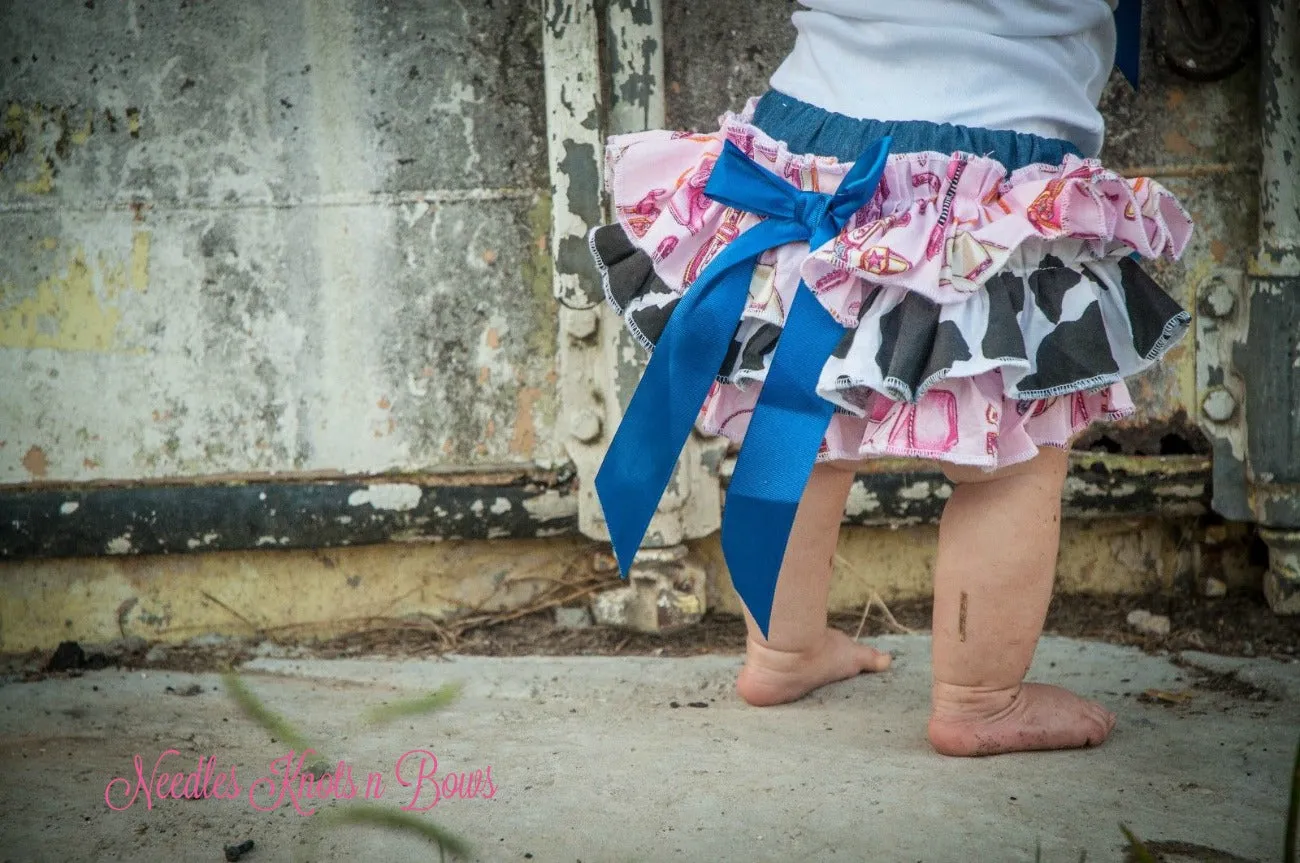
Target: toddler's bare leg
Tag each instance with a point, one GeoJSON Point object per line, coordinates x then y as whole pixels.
{"type": "Point", "coordinates": [998, 542]}
{"type": "Point", "coordinates": [802, 652]}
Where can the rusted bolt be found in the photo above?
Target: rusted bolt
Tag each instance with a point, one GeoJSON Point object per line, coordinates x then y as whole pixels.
{"type": "Point", "coordinates": [583, 324]}
{"type": "Point", "coordinates": [587, 427]}
{"type": "Point", "coordinates": [1219, 405]}
{"type": "Point", "coordinates": [1218, 299]}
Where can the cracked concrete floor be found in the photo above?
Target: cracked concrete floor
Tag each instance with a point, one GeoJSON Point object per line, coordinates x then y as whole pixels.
{"type": "Point", "coordinates": [649, 759]}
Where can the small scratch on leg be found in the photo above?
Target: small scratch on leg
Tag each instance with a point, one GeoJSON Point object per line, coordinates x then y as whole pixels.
{"type": "Point", "coordinates": [961, 618]}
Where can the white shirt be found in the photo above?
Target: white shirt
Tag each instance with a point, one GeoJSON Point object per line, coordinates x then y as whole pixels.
{"type": "Point", "coordinates": [1035, 66]}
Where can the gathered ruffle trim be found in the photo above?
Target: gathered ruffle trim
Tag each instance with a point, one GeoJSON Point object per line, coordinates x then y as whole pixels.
{"type": "Point", "coordinates": [966, 424]}
{"type": "Point", "coordinates": [975, 415]}
{"type": "Point", "coordinates": [1056, 330]}
{"type": "Point", "coordinates": [986, 314]}
{"type": "Point", "coordinates": [939, 224]}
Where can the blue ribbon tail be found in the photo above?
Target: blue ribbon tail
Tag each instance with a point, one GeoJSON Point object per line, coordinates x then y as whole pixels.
{"type": "Point", "coordinates": [663, 410]}
{"type": "Point", "coordinates": [1128, 39]}
{"type": "Point", "coordinates": [780, 449]}
{"type": "Point", "coordinates": [790, 420]}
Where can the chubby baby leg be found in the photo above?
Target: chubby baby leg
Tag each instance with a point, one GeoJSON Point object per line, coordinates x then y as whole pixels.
{"type": "Point", "coordinates": [998, 542]}
{"type": "Point", "coordinates": [801, 652]}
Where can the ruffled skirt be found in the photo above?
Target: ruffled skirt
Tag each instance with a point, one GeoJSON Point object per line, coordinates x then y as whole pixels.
{"type": "Point", "coordinates": [988, 312]}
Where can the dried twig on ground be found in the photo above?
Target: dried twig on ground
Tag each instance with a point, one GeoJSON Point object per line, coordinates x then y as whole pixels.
{"type": "Point", "coordinates": [875, 599]}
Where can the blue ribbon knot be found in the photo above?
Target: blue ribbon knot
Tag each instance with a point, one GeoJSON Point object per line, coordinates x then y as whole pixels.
{"type": "Point", "coordinates": [790, 419]}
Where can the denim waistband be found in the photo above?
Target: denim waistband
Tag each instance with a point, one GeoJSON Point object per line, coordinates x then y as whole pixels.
{"type": "Point", "coordinates": [808, 129]}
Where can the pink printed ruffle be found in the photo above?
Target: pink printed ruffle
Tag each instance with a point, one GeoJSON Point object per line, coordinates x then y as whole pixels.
{"type": "Point", "coordinates": [940, 226]}
{"type": "Point", "coordinates": [964, 421]}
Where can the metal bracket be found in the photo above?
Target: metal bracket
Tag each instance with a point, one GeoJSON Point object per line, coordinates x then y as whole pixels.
{"type": "Point", "coordinates": [1222, 316]}
{"type": "Point", "coordinates": [599, 364]}
{"type": "Point", "coordinates": [1272, 364]}
{"type": "Point", "coordinates": [574, 144]}
{"type": "Point", "coordinates": [692, 506]}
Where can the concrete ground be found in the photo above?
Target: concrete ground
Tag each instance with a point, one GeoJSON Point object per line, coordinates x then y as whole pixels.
{"type": "Point", "coordinates": [648, 759]}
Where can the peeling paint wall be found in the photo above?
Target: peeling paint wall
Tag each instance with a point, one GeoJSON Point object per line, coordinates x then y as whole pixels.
{"type": "Point", "coordinates": [292, 594]}
{"type": "Point", "coordinates": [312, 237]}
{"type": "Point", "coordinates": [261, 238]}
{"type": "Point", "coordinates": [1097, 557]}
{"type": "Point", "coordinates": [320, 593]}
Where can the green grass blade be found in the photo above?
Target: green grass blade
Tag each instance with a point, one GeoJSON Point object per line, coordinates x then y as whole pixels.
{"type": "Point", "coordinates": [280, 729]}
{"type": "Point", "coordinates": [365, 814]}
{"type": "Point", "coordinates": [437, 700]}
{"type": "Point", "coordinates": [1141, 854]}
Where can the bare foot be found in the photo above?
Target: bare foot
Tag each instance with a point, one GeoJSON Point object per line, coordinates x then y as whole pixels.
{"type": "Point", "coordinates": [967, 721]}
{"type": "Point", "coordinates": [773, 676]}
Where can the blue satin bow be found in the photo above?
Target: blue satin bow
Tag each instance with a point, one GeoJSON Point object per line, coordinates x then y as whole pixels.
{"type": "Point", "coordinates": [790, 419]}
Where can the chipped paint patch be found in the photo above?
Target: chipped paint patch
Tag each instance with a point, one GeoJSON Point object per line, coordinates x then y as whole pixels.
{"type": "Point", "coordinates": [119, 544]}
{"type": "Point", "coordinates": [1177, 143]}
{"type": "Point", "coordinates": [78, 309]}
{"type": "Point", "coordinates": [139, 265]}
{"type": "Point", "coordinates": [523, 441]}
{"type": "Point", "coordinates": [915, 491]}
{"type": "Point", "coordinates": [500, 505]}
{"type": "Point", "coordinates": [550, 506]}
{"type": "Point", "coordinates": [398, 497]}
{"type": "Point", "coordinates": [36, 462]}
{"type": "Point", "coordinates": [1076, 486]}
{"type": "Point", "coordinates": [69, 508]}
{"type": "Point", "coordinates": [44, 182]}
{"type": "Point", "coordinates": [862, 500]}
{"type": "Point", "coordinates": [537, 270]}
{"type": "Point", "coordinates": [1188, 491]}
{"type": "Point", "coordinates": [46, 134]}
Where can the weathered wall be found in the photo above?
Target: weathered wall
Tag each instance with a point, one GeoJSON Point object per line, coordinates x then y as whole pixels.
{"type": "Point", "coordinates": [308, 238]}
{"type": "Point", "coordinates": [269, 237]}
{"type": "Point", "coordinates": [304, 594]}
